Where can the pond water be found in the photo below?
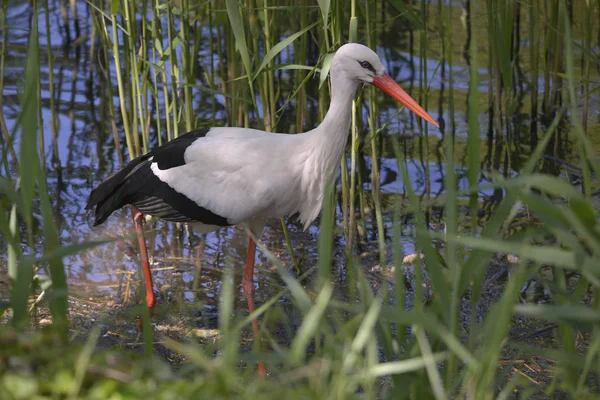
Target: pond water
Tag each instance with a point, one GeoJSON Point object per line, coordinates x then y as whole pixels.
{"type": "Point", "coordinates": [79, 151]}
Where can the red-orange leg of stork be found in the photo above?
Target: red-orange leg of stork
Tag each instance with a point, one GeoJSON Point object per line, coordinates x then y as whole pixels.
{"type": "Point", "coordinates": [248, 287]}
{"type": "Point", "coordinates": [138, 220]}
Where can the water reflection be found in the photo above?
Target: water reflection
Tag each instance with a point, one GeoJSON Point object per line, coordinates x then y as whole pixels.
{"type": "Point", "coordinates": [81, 130]}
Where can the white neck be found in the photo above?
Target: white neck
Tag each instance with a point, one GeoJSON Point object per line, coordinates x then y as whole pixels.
{"type": "Point", "coordinates": [332, 134]}
{"type": "Point", "coordinates": [325, 147]}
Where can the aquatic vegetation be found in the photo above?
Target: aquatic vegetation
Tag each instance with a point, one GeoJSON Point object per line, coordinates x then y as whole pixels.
{"type": "Point", "coordinates": [89, 85]}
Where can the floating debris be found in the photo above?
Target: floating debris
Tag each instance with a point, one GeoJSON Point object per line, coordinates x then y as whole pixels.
{"type": "Point", "coordinates": [512, 259]}
{"type": "Point", "coordinates": [205, 333]}
{"type": "Point", "coordinates": [412, 258]}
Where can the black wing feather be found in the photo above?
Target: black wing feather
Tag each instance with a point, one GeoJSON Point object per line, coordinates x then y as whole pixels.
{"type": "Point", "coordinates": [136, 184]}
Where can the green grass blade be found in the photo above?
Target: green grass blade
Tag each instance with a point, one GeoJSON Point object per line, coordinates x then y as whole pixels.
{"type": "Point", "coordinates": [325, 69]}
{"type": "Point", "coordinates": [275, 50]}
{"type": "Point", "coordinates": [325, 250]}
{"type": "Point", "coordinates": [432, 325]}
{"type": "Point", "coordinates": [411, 15]}
{"type": "Point", "coordinates": [83, 361]}
{"type": "Point", "coordinates": [496, 327]}
{"type": "Point", "coordinates": [430, 364]}
{"type": "Point", "coordinates": [226, 306]}
{"type": "Point", "coordinates": [424, 243]}
{"type": "Point", "coordinates": [58, 296]}
{"type": "Point", "coordinates": [20, 292]}
{"type": "Point", "coordinates": [8, 227]}
{"type": "Point", "coordinates": [28, 120]}
{"type": "Point", "coordinates": [537, 154]}
{"type": "Point", "coordinates": [324, 6]}
{"type": "Point", "coordinates": [298, 292]}
{"type": "Point", "coordinates": [404, 366]}
{"type": "Point", "coordinates": [14, 251]}
{"type": "Point", "coordinates": [363, 335]}
{"type": "Point", "coordinates": [574, 314]}
{"type": "Point", "coordinates": [548, 255]}
{"type": "Point", "coordinates": [310, 325]}
{"type": "Point", "coordinates": [237, 25]}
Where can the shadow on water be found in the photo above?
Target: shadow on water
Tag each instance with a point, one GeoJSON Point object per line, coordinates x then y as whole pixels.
{"type": "Point", "coordinates": [79, 151]}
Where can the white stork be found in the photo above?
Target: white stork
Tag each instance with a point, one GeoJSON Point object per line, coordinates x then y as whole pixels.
{"type": "Point", "coordinates": [218, 177]}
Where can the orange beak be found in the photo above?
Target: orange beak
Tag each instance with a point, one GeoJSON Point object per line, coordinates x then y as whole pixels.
{"type": "Point", "coordinates": [388, 85]}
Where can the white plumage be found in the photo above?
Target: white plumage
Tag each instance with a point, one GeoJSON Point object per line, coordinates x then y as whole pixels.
{"type": "Point", "coordinates": [228, 176]}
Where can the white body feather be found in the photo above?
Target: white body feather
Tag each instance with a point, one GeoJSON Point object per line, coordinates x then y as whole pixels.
{"type": "Point", "coordinates": [247, 175]}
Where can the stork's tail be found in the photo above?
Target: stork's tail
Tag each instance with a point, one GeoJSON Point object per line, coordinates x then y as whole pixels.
{"type": "Point", "coordinates": [115, 191]}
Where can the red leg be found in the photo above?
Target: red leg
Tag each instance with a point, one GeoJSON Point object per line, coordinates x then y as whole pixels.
{"type": "Point", "coordinates": [248, 287]}
{"type": "Point", "coordinates": [138, 219]}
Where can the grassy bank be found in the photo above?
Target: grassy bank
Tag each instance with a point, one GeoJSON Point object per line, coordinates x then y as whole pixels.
{"type": "Point", "coordinates": [428, 330]}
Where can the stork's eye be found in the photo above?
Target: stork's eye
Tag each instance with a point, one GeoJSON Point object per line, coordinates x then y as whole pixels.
{"type": "Point", "coordinates": [367, 65]}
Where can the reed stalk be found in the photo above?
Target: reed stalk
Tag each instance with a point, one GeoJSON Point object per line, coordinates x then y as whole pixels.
{"type": "Point", "coordinates": [144, 77]}
{"type": "Point", "coordinates": [3, 50]}
{"type": "Point", "coordinates": [100, 23]}
{"type": "Point", "coordinates": [354, 142]}
{"type": "Point", "coordinates": [132, 68]}
{"type": "Point", "coordinates": [415, 344]}
{"type": "Point", "coordinates": [121, 86]}
{"type": "Point", "coordinates": [187, 64]}
{"type": "Point", "coordinates": [587, 46]}
{"type": "Point", "coordinates": [423, 96]}
{"type": "Point", "coordinates": [156, 55]}
{"type": "Point", "coordinates": [53, 112]}
{"type": "Point", "coordinates": [534, 55]}
{"type": "Point", "coordinates": [174, 76]}
{"type": "Point", "coordinates": [374, 135]}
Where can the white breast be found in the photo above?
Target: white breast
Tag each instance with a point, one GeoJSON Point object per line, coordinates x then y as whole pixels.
{"type": "Point", "coordinates": [245, 178]}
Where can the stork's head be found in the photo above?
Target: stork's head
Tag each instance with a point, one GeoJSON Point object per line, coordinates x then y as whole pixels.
{"type": "Point", "coordinates": [358, 62]}
{"type": "Point", "coordinates": [362, 64]}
